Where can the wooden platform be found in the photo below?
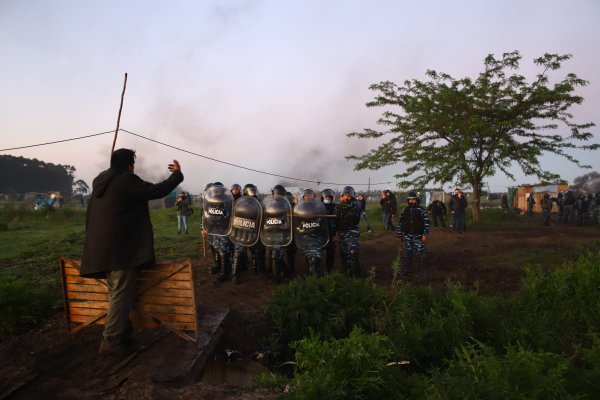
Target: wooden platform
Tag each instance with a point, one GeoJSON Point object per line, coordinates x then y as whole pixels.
{"type": "Point", "coordinates": [165, 298]}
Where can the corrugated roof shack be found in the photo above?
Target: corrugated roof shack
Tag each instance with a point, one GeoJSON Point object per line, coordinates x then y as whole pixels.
{"type": "Point", "coordinates": [538, 191]}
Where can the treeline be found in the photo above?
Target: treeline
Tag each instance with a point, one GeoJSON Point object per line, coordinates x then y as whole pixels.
{"type": "Point", "coordinates": [21, 175]}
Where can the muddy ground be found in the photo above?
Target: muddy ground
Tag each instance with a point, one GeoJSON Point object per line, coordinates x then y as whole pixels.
{"type": "Point", "coordinates": [48, 363]}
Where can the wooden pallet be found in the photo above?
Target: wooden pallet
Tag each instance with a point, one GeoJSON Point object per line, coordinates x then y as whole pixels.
{"type": "Point", "coordinates": [165, 298]}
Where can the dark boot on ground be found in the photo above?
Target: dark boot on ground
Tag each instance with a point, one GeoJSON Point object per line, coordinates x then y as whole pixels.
{"type": "Point", "coordinates": [277, 268]}
{"type": "Point", "coordinates": [235, 267]}
{"type": "Point", "coordinates": [225, 266]}
{"type": "Point", "coordinates": [329, 260]}
{"type": "Point", "coordinates": [406, 266]}
{"type": "Point", "coordinates": [291, 265]}
{"type": "Point", "coordinates": [216, 262]}
{"type": "Point", "coordinates": [354, 258]}
{"type": "Point", "coordinates": [316, 265]}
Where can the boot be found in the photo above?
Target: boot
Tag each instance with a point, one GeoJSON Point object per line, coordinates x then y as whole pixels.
{"type": "Point", "coordinates": [216, 261]}
{"type": "Point", "coordinates": [235, 266]}
{"type": "Point", "coordinates": [329, 259]}
{"type": "Point", "coordinates": [316, 263]}
{"type": "Point", "coordinates": [225, 267]}
{"type": "Point", "coordinates": [406, 266]}
{"type": "Point", "coordinates": [309, 266]}
{"type": "Point", "coordinates": [423, 265]}
{"type": "Point", "coordinates": [354, 258]}
{"type": "Point", "coordinates": [277, 267]}
{"type": "Point", "coordinates": [291, 264]}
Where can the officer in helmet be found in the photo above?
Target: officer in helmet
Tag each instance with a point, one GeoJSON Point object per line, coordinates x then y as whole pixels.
{"type": "Point", "coordinates": [348, 212]}
{"type": "Point", "coordinates": [221, 248]}
{"type": "Point", "coordinates": [413, 228]}
{"type": "Point", "coordinates": [209, 239]}
{"type": "Point", "coordinates": [291, 248]}
{"type": "Point", "coordinates": [313, 246]}
{"type": "Point", "coordinates": [258, 250]}
{"type": "Point", "coordinates": [328, 196]}
{"type": "Point", "coordinates": [274, 255]}
{"type": "Point", "coordinates": [236, 191]}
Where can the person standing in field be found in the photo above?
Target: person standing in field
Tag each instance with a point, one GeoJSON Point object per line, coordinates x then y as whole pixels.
{"type": "Point", "coordinates": [413, 228]}
{"type": "Point", "coordinates": [183, 212]}
{"type": "Point", "coordinates": [437, 209]}
{"type": "Point", "coordinates": [119, 240]}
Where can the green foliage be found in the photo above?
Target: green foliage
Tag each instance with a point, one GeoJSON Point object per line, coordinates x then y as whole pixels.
{"type": "Point", "coordinates": [425, 327]}
{"type": "Point", "coordinates": [584, 376]}
{"type": "Point", "coordinates": [447, 130]}
{"type": "Point", "coordinates": [352, 368]}
{"type": "Point", "coordinates": [555, 310]}
{"type": "Point", "coordinates": [26, 299]}
{"type": "Point", "coordinates": [478, 373]}
{"type": "Point", "coordinates": [32, 175]}
{"type": "Point", "coordinates": [331, 306]}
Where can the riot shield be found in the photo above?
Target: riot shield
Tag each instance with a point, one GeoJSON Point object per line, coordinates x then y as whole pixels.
{"type": "Point", "coordinates": [245, 221]}
{"type": "Point", "coordinates": [216, 210]}
{"type": "Point", "coordinates": [276, 227]}
{"type": "Point", "coordinates": [311, 230]}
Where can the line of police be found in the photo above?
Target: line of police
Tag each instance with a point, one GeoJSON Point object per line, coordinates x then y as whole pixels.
{"type": "Point", "coordinates": [581, 209]}
{"type": "Point", "coordinates": [234, 223]}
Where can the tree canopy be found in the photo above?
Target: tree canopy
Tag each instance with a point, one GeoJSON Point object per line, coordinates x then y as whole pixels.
{"type": "Point", "coordinates": [448, 130]}
{"type": "Point", "coordinates": [23, 175]}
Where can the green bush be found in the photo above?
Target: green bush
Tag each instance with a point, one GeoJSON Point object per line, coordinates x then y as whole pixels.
{"type": "Point", "coordinates": [478, 373]}
{"type": "Point", "coordinates": [26, 300]}
{"type": "Point", "coordinates": [352, 368]}
{"type": "Point", "coordinates": [331, 306]}
{"type": "Point", "coordinates": [425, 327]}
{"type": "Point", "coordinates": [554, 311]}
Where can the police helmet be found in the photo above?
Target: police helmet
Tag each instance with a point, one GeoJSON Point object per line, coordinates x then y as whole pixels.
{"type": "Point", "coordinates": [348, 190]}
{"type": "Point", "coordinates": [327, 193]}
{"type": "Point", "coordinates": [413, 196]}
{"type": "Point", "coordinates": [236, 186]}
{"type": "Point", "coordinates": [208, 185]}
{"type": "Point", "coordinates": [308, 192]}
{"type": "Point", "coordinates": [250, 190]}
{"type": "Point", "coordinates": [278, 190]}
{"type": "Point", "coordinates": [218, 183]}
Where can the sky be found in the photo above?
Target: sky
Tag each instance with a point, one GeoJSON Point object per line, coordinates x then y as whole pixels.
{"type": "Point", "coordinates": [274, 86]}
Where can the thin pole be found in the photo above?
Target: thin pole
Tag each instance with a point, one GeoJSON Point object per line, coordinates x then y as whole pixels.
{"type": "Point", "coordinates": [119, 117]}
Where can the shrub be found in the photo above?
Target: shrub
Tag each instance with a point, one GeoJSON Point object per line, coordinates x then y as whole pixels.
{"type": "Point", "coordinates": [352, 368]}
{"type": "Point", "coordinates": [25, 301]}
{"type": "Point", "coordinates": [478, 373]}
{"type": "Point", "coordinates": [331, 306]}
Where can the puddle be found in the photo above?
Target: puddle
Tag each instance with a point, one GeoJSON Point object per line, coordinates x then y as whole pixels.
{"type": "Point", "coordinates": [240, 373]}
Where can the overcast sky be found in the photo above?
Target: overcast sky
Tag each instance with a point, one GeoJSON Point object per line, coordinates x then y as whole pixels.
{"type": "Point", "coordinates": [271, 85]}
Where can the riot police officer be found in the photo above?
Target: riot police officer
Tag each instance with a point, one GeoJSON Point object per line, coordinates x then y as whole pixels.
{"type": "Point", "coordinates": [348, 213]}
{"type": "Point", "coordinates": [310, 230]}
{"type": "Point", "coordinates": [328, 197]}
{"type": "Point", "coordinates": [215, 223]}
{"type": "Point", "coordinates": [276, 232]}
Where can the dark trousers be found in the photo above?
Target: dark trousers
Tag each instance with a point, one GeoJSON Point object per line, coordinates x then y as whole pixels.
{"type": "Point", "coordinates": [440, 216]}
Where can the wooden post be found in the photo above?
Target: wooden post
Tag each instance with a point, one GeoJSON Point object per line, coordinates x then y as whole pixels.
{"type": "Point", "coordinates": [119, 116]}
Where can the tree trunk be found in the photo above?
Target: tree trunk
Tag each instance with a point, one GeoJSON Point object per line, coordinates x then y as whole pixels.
{"type": "Point", "coordinates": [476, 200]}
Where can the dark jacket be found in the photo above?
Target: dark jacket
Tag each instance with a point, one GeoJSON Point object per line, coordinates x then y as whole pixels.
{"type": "Point", "coordinates": [118, 227]}
{"type": "Point", "coordinates": [388, 204]}
{"type": "Point", "coordinates": [457, 204]}
{"type": "Point", "coordinates": [437, 207]}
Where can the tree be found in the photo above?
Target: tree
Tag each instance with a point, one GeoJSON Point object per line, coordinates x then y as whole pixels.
{"type": "Point", "coordinates": [80, 187]}
{"type": "Point", "coordinates": [463, 130]}
{"type": "Point", "coordinates": [32, 175]}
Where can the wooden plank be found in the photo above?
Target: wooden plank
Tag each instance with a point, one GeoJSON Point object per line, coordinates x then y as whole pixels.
{"type": "Point", "coordinates": [85, 318]}
{"type": "Point", "coordinates": [85, 281]}
{"type": "Point", "coordinates": [176, 301]}
{"type": "Point", "coordinates": [165, 292]}
{"type": "Point", "coordinates": [87, 296]}
{"type": "Point", "coordinates": [154, 275]}
{"type": "Point", "coordinates": [91, 312]}
{"type": "Point", "coordinates": [71, 271]}
{"type": "Point", "coordinates": [166, 285]}
{"type": "Point", "coordinates": [75, 287]}
{"type": "Point", "coordinates": [102, 305]}
{"type": "Point", "coordinates": [165, 308]}
{"type": "Point", "coordinates": [165, 267]}
{"type": "Point", "coordinates": [138, 321]}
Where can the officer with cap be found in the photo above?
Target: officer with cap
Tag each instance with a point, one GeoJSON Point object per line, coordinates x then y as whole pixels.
{"type": "Point", "coordinates": [413, 228]}
{"type": "Point", "coordinates": [348, 213]}
{"type": "Point", "coordinates": [236, 191]}
{"type": "Point", "coordinates": [328, 196]}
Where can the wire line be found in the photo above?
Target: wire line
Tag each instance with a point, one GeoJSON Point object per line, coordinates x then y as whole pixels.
{"type": "Point", "coordinates": [58, 141]}
{"type": "Point", "coordinates": [251, 169]}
